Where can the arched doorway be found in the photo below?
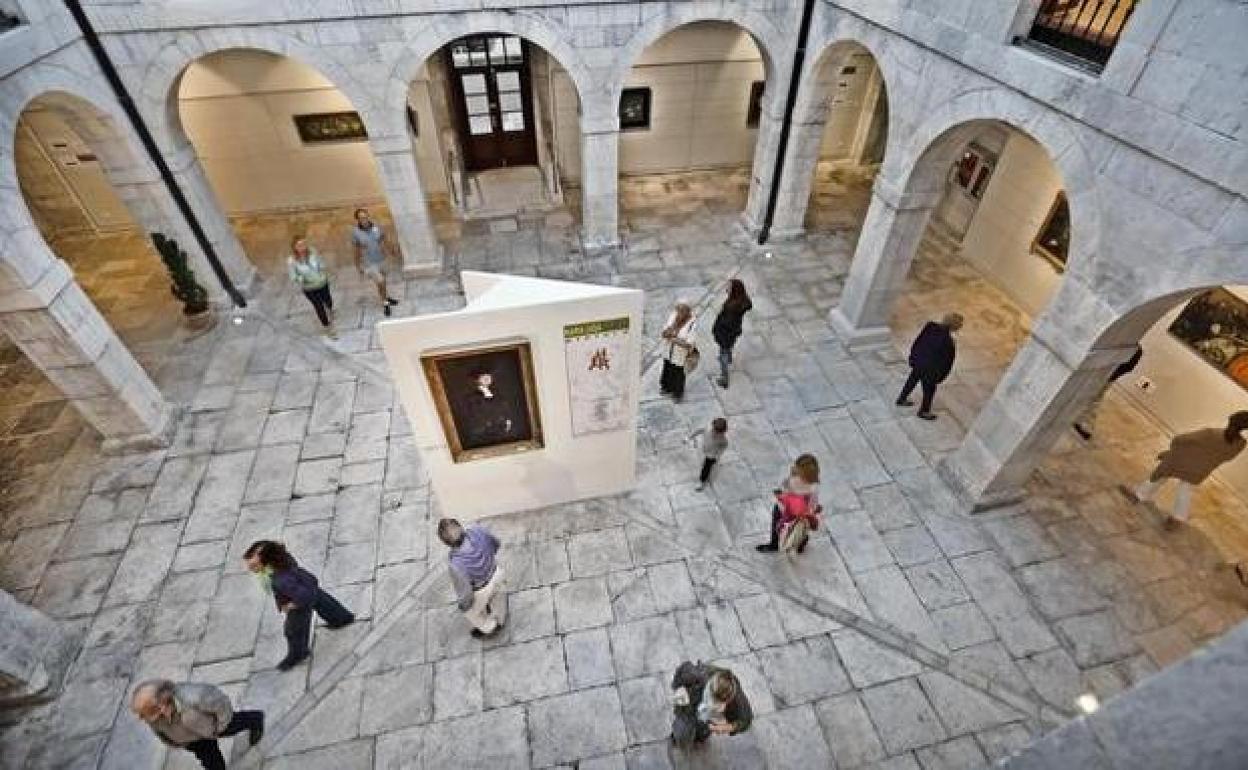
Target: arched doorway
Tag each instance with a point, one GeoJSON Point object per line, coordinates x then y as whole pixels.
{"type": "Point", "coordinates": [691, 109]}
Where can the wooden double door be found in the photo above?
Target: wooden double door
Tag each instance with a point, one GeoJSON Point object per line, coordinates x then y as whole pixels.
{"type": "Point", "coordinates": [489, 76]}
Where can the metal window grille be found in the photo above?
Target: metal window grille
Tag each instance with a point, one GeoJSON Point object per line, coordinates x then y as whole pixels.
{"type": "Point", "coordinates": [1085, 29]}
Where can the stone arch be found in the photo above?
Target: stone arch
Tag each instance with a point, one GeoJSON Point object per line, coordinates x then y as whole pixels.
{"type": "Point", "coordinates": [45, 311]}
{"type": "Point", "coordinates": [809, 125]}
{"type": "Point", "coordinates": [768, 38]}
{"type": "Point", "coordinates": [921, 158]}
{"type": "Point", "coordinates": [550, 36]}
{"type": "Point", "coordinates": [163, 76]}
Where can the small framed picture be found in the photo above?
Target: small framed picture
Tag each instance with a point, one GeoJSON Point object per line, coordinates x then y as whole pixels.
{"type": "Point", "coordinates": [322, 127]}
{"type": "Point", "coordinates": [635, 109]}
{"type": "Point", "coordinates": [754, 109]}
{"type": "Point", "coordinates": [1053, 240]}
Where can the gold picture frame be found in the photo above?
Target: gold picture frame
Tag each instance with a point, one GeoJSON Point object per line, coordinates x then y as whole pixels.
{"type": "Point", "coordinates": [486, 417]}
{"type": "Point", "coordinates": [1052, 241]}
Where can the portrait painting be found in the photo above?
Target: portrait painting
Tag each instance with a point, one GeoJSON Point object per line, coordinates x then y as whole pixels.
{"type": "Point", "coordinates": [1215, 326]}
{"type": "Point", "coordinates": [635, 109]}
{"type": "Point", "coordinates": [1053, 240]}
{"type": "Point", "coordinates": [486, 400]}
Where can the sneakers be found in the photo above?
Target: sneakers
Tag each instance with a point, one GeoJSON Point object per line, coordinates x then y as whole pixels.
{"type": "Point", "coordinates": [722, 382]}
{"type": "Point", "coordinates": [288, 662]}
{"type": "Point", "coordinates": [766, 548]}
{"type": "Point", "coordinates": [1171, 524]}
{"type": "Point", "coordinates": [256, 733]}
{"type": "Point", "coordinates": [926, 416]}
{"type": "Point", "coordinates": [701, 486]}
{"type": "Point", "coordinates": [330, 332]}
{"type": "Point", "coordinates": [904, 402]}
{"type": "Point", "coordinates": [343, 624]}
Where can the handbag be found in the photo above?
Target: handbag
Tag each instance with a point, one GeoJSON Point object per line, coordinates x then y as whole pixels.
{"type": "Point", "coordinates": [692, 358]}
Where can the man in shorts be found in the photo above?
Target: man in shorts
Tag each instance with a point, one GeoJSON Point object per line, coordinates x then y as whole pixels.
{"type": "Point", "coordinates": [371, 248]}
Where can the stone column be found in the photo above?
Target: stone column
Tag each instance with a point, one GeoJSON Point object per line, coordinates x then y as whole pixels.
{"type": "Point", "coordinates": [891, 233]}
{"type": "Point", "coordinates": [805, 139]}
{"type": "Point", "coordinates": [763, 167]}
{"type": "Point", "coordinates": [409, 209]}
{"type": "Point", "coordinates": [1036, 401]}
{"type": "Point", "coordinates": [32, 659]}
{"type": "Point", "coordinates": [193, 181]}
{"type": "Point", "coordinates": [60, 330]}
{"type": "Point", "coordinates": [600, 186]}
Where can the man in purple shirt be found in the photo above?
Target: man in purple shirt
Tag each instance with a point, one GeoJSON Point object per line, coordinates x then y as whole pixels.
{"type": "Point", "coordinates": [475, 575]}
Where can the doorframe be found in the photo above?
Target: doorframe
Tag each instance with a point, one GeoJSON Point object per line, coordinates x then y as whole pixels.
{"type": "Point", "coordinates": [460, 106]}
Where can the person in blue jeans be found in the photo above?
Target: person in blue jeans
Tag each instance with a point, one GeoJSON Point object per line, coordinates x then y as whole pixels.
{"type": "Point", "coordinates": [297, 593]}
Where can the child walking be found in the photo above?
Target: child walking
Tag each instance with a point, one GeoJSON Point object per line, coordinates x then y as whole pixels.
{"type": "Point", "coordinates": [714, 442]}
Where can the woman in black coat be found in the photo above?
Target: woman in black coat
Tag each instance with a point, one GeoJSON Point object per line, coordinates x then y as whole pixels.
{"type": "Point", "coordinates": [931, 360]}
{"type": "Point", "coordinates": [297, 593]}
{"type": "Point", "coordinates": [727, 327]}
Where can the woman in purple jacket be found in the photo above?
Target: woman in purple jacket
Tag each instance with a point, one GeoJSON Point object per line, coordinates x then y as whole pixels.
{"type": "Point", "coordinates": [297, 593]}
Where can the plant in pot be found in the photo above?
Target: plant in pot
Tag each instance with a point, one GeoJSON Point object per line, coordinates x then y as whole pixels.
{"type": "Point", "coordinates": [185, 288]}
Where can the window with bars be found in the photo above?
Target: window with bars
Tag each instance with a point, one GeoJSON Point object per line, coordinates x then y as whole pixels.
{"type": "Point", "coordinates": [1080, 32]}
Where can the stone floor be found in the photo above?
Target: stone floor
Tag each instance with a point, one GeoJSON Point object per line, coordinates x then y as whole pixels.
{"type": "Point", "coordinates": [909, 635]}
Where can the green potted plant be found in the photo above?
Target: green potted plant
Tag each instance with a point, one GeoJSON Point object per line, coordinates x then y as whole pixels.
{"type": "Point", "coordinates": [185, 288]}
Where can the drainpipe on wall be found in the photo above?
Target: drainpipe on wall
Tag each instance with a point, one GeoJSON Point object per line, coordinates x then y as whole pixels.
{"type": "Point", "coordinates": [149, 144]}
{"type": "Point", "coordinates": [790, 103]}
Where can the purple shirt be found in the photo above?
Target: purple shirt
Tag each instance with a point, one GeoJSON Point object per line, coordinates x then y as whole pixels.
{"type": "Point", "coordinates": [472, 563]}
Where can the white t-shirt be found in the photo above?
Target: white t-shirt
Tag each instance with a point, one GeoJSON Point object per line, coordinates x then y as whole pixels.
{"type": "Point", "coordinates": [673, 352]}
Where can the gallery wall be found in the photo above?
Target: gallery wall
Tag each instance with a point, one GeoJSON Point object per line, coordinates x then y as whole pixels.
{"type": "Point", "coordinates": [699, 77]}
{"type": "Point", "coordinates": [237, 107]}
{"type": "Point", "coordinates": [1186, 391]}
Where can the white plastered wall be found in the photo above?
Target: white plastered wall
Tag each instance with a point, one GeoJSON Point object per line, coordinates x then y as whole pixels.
{"type": "Point", "coordinates": [1187, 392]}
{"type": "Point", "coordinates": [502, 310]}
{"type": "Point", "coordinates": [237, 107]}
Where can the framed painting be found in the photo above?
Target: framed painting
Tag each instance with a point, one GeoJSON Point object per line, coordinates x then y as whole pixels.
{"type": "Point", "coordinates": [754, 108]}
{"type": "Point", "coordinates": [486, 400]}
{"type": "Point", "coordinates": [1215, 326]}
{"type": "Point", "coordinates": [635, 109]}
{"type": "Point", "coordinates": [1053, 240]}
{"type": "Point", "coordinates": [322, 127]}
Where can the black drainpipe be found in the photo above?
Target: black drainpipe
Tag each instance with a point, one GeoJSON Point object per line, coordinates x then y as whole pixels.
{"type": "Point", "coordinates": [140, 127]}
{"type": "Point", "coordinates": [790, 104]}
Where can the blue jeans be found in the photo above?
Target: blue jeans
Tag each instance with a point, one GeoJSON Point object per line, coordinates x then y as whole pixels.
{"type": "Point", "coordinates": [725, 362]}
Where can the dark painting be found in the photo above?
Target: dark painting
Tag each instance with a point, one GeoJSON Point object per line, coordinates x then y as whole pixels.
{"type": "Point", "coordinates": [1215, 326]}
{"type": "Point", "coordinates": [486, 400]}
{"type": "Point", "coordinates": [1053, 240]}
{"type": "Point", "coordinates": [330, 127]}
{"type": "Point", "coordinates": [635, 109]}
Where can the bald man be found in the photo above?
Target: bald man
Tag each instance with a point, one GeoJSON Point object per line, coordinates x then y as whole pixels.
{"type": "Point", "coordinates": [192, 716]}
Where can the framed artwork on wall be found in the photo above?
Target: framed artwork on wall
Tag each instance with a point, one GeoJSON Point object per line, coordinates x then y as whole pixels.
{"type": "Point", "coordinates": [972, 171]}
{"type": "Point", "coordinates": [322, 127]}
{"type": "Point", "coordinates": [1053, 240]}
{"type": "Point", "coordinates": [754, 110]}
{"type": "Point", "coordinates": [1215, 326]}
{"type": "Point", "coordinates": [635, 109]}
{"type": "Point", "coordinates": [486, 400]}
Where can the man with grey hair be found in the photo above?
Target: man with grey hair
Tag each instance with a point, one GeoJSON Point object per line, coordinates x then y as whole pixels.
{"type": "Point", "coordinates": [192, 716]}
{"type": "Point", "coordinates": [475, 575]}
{"type": "Point", "coordinates": [931, 360]}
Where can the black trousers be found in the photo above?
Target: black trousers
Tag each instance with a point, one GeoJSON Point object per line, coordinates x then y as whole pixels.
{"type": "Point", "coordinates": [322, 302]}
{"type": "Point", "coordinates": [707, 464]}
{"type": "Point", "coordinates": [929, 390]}
{"type": "Point", "coordinates": [672, 380]}
{"type": "Point", "coordinates": [209, 753]}
{"type": "Point", "coordinates": [298, 626]}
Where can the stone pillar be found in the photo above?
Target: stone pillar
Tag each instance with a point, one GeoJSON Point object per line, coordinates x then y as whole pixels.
{"type": "Point", "coordinates": [890, 236]}
{"type": "Point", "coordinates": [59, 329]}
{"type": "Point", "coordinates": [191, 178]}
{"type": "Point", "coordinates": [32, 659]}
{"type": "Point", "coordinates": [600, 187]}
{"type": "Point", "coordinates": [1037, 399]}
{"type": "Point", "coordinates": [763, 167]}
{"type": "Point", "coordinates": [409, 209]}
{"type": "Point", "coordinates": [805, 139]}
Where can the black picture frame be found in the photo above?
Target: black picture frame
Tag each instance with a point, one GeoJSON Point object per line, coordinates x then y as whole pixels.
{"type": "Point", "coordinates": [635, 109]}
{"type": "Point", "coordinates": [1053, 239]}
{"type": "Point", "coordinates": [328, 127]}
{"type": "Point", "coordinates": [754, 108]}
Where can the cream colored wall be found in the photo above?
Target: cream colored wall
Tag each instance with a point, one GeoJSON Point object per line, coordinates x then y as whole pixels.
{"type": "Point", "coordinates": [1014, 206]}
{"type": "Point", "coordinates": [238, 106]}
{"type": "Point", "coordinates": [1187, 392]}
{"type": "Point", "coordinates": [849, 108]}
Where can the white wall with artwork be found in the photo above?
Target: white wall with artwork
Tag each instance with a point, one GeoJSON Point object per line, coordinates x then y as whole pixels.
{"type": "Point", "coordinates": [526, 397]}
